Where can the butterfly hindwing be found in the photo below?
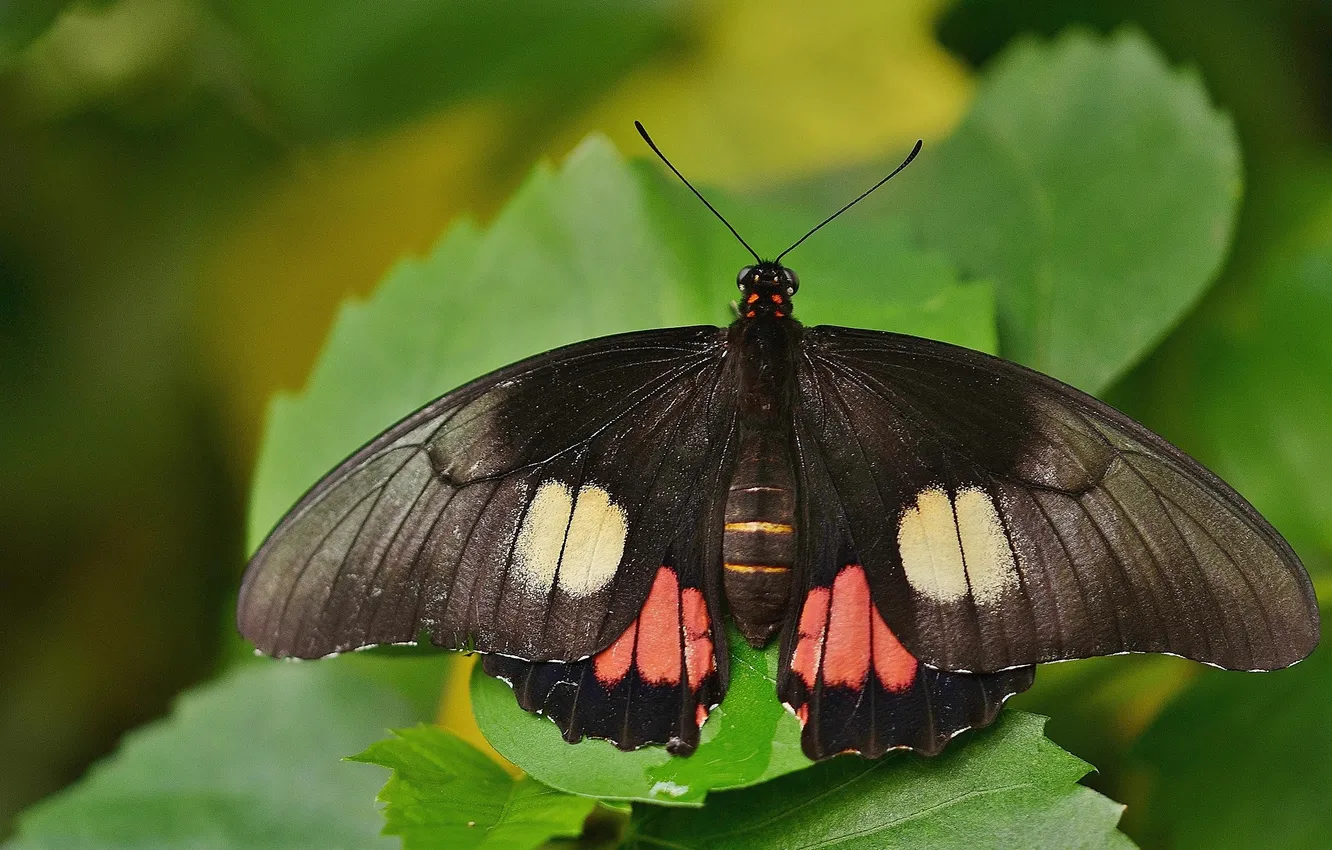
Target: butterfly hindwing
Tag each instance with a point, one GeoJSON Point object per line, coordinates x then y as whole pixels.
{"type": "Point", "coordinates": [655, 684]}
{"type": "Point", "coordinates": [526, 513]}
{"type": "Point", "coordinates": [1003, 518]}
{"type": "Point", "coordinates": [843, 671]}
{"type": "Point", "coordinates": [659, 679]}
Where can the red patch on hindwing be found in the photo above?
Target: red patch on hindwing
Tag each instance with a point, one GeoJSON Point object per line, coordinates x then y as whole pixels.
{"type": "Point", "coordinates": [895, 666]}
{"type": "Point", "coordinates": [612, 663]}
{"type": "Point", "coordinates": [654, 684]}
{"type": "Point", "coordinates": [854, 687]}
{"type": "Point", "coordinates": [842, 636]}
{"type": "Point", "coordinates": [846, 648]}
{"type": "Point", "coordinates": [698, 649]}
{"type": "Point", "coordinates": [659, 654]}
{"type": "Point", "coordinates": [809, 647]}
{"type": "Point", "coordinates": [671, 637]}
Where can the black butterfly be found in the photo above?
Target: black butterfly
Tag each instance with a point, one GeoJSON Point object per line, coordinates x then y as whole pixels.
{"type": "Point", "coordinates": [918, 523]}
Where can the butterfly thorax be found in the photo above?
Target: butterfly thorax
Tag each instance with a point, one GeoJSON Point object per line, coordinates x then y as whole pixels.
{"type": "Point", "coordinates": [766, 290]}
{"type": "Point", "coordinates": [759, 541]}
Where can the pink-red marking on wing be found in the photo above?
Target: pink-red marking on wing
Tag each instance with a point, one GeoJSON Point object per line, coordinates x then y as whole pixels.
{"type": "Point", "coordinates": [846, 653]}
{"type": "Point", "coordinates": [658, 654]}
{"type": "Point", "coordinates": [612, 663]}
{"type": "Point", "coordinates": [841, 633]}
{"type": "Point", "coordinates": [895, 666]}
{"type": "Point", "coordinates": [698, 658]}
{"type": "Point", "coordinates": [809, 646]}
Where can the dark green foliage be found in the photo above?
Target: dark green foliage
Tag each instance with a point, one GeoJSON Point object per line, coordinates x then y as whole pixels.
{"type": "Point", "coordinates": [250, 760]}
{"type": "Point", "coordinates": [1241, 761]}
{"type": "Point", "coordinates": [1097, 187]}
{"type": "Point", "coordinates": [327, 69]}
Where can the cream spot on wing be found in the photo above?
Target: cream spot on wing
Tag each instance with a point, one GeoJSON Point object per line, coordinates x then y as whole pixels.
{"type": "Point", "coordinates": [595, 543]}
{"type": "Point", "coordinates": [927, 540]}
{"type": "Point", "coordinates": [985, 550]}
{"type": "Point", "coordinates": [541, 537]}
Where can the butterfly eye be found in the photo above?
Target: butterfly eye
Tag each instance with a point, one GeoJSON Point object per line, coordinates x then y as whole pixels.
{"type": "Point", "coordinates": [792, 281]}
{"type": "Point", "coordinates": [745, 274]}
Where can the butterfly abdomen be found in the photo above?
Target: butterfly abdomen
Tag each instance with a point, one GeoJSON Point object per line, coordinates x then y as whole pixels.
{"type": "Point", "coordinates": [758, 547]}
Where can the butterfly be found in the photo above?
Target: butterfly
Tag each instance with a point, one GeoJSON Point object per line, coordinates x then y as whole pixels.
{"type": "Point", "coordinates": [915, 523]}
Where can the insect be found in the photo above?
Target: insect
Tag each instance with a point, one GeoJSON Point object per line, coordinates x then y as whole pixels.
{"type": "Point", "coordinates": [917, 524]}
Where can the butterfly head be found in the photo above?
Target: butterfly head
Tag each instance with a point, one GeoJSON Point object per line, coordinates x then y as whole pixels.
{"type": "Point", "coordinates": [766, 290]}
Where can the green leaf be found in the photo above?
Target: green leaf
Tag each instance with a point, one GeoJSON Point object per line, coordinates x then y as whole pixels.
{"type": "Point", "coordinates": [749, 738]}
{"type": "Point", "coordinates": [446, 793]}
{"type": "Point", "coordinates": [250, 760]}
{"type": "Point", "coordinates": [1243, 760]}
{"type": "Point", "coordinates": [592, 248]}
{"type": "Point", "coordinates": [1008, 787]}
{"type": "Point", "coordinates": [1096, 186]}
{"type": "Point", "coordinates": [332, 67]}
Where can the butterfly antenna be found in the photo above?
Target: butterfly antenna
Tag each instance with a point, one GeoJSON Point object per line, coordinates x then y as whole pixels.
{"type": "Point", "coordinates": [862, 197]}
{"type": "Point", "coordinates": [644, 133]}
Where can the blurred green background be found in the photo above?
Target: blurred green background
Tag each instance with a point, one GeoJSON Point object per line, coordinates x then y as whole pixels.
{"type": "Point", "coordinates": [188, 189]}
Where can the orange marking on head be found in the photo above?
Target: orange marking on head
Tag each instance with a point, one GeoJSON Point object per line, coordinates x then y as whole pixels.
{"type": "Point", "coordinates": [698, 657]}
{"type": "Point", "coordinates": [846, 655]}
{"type": "Point", "coordinates": [813, 621]}
{"type": "Point", "coordinates": [658, 655]}
{"type": "Point", "coordinates": [612, 663]}
{"type": "Point", "coordinates": [779, 314]}
{"type": "Point", "coordinates": [751, 314]}
{"type": "Point", "coordinates": [895, 666]}
{"type": "Point", "coordinates": [753, 296]}
{"type": "Point", "coordinates": [776, 299]}
{"type": "Point", "coordinates": [700, 716]}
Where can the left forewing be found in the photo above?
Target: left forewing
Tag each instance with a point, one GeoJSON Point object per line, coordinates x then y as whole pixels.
{"type": "Point", "coordinates": [525, 514]}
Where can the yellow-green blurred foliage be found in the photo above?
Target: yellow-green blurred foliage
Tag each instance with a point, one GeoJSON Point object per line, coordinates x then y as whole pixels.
{"type": "Point", "coordinates": [188, 188]}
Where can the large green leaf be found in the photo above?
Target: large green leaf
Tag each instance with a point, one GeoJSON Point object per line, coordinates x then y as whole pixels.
{"type": "Point", "coordinates": [250, 760]}
{"type": "Point", "coordinates": [749, 738]}
{"type": "Point", "coordinates": [1243, 761]}
{"type": "Point", "coordinates": [1008, 787]}
{"type": "Point", "coordinates": [445, 793]}
{"type": "Point", "coordinates": [1097, 187]}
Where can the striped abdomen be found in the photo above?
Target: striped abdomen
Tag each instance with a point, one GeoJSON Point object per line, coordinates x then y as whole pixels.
{"type": "Point", "coordinates": [758, 550]}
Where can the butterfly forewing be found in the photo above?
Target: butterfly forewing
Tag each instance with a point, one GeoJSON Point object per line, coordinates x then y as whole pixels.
{"type": "Point", "coordinates": [1004, 518]}
{"type": "Point", "coordinates": [526, 513]}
